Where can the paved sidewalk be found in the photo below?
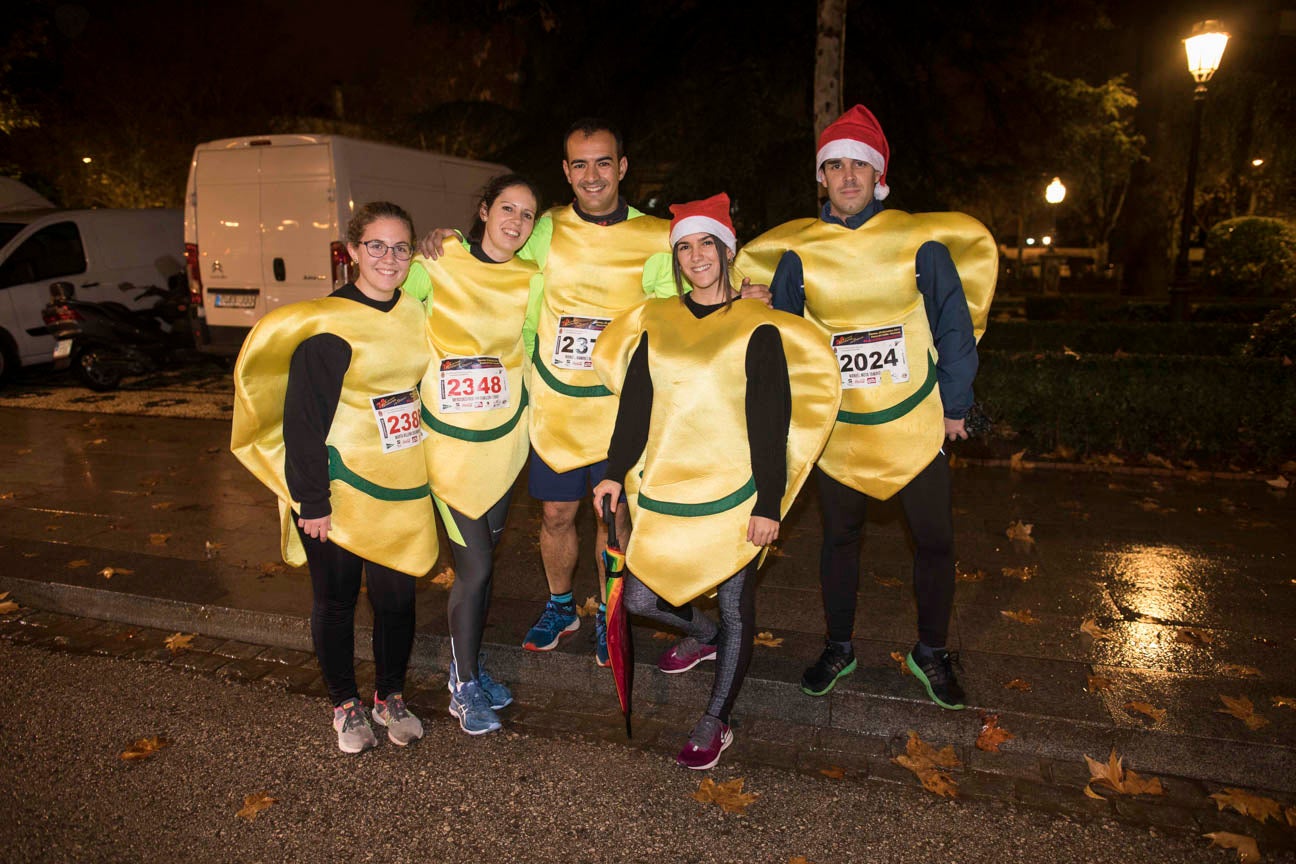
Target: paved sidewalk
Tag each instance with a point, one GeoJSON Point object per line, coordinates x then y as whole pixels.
{"type": "Point", "coordinates": [1189, 582]}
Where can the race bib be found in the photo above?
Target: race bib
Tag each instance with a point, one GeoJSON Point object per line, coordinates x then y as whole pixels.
{"type": "Point", "coordinates": [473, 384]}
{"type": "Point", "coordinates": [398, 420]}
{"type": "Point", "coordinates": [574, 347]}
{"type": "Point", "coordinates": [863, 355]}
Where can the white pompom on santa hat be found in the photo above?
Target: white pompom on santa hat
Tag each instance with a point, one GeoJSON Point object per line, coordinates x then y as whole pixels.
{"type": "Point", "coordinates": [710, 215]}
{"type": "Point", "coordinates": [856, 135]}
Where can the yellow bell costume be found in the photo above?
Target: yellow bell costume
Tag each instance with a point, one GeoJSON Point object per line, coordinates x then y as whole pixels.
{"type": "Point", "coordinates": [475, 447]}
{"type": "Point", "coordinates": [691, 495]}
{"type": "Point", "coordinates": [382, 506]}
{"type": "Point", "coordinates": [594, 274]}
{"type": "Point", "coordinates": [862, 297]}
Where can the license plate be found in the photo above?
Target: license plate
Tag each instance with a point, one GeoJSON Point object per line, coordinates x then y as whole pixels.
{"type": "Point", "coordinates": [62, 348]}
{"type": "Point", "coordinates": [235, 301]}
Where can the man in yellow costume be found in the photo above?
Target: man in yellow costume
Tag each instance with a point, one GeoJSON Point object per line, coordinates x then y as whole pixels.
{"type": "Point", "coordinates": [901, 299]}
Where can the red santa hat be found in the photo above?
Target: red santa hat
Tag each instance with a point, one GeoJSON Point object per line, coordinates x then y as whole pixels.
{"type": "Point", "coordinates": [710, 215]}
{"type": "Point", "coordinates": [856, 135]}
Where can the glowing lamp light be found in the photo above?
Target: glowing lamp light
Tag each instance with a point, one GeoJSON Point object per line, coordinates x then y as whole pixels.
{"type": "Point", "coordinates": [1030, 241]}
{"type": "Point", "coordinates": [1055, 191]}
{"type": "Point", "coordinates": [1046, 240]}
{"type": "Point", "coordinates": [1205, 48]}
{"type": "Point", "coordinates": [1256, 163]}
{"type": "Point", "coordinates": [86, 159]}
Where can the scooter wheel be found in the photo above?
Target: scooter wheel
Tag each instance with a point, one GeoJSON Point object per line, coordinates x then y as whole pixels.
{"type": "Point", "coordinates": [91, 370]}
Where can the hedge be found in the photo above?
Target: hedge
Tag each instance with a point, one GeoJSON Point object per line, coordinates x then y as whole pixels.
{"type": "Point", "coordinates": [1114, 308]}
{"type": "Point", "coordinates": [1189, 339]}
{"type": "Point", "coordinates": [1213, 410]}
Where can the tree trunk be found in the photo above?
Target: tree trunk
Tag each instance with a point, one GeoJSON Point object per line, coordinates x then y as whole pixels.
{"type": "Point", "coordinates": [830, 54]}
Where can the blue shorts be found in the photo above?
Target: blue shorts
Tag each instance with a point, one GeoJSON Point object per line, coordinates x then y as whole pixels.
{"type": "Point", "coordinates": [546, 484]}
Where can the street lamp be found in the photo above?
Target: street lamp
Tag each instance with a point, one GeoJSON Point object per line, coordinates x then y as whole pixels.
{"type": "Point", "coordinates": [1055, 191]}
{"type": "Point", "coordinates": [1204, 48]}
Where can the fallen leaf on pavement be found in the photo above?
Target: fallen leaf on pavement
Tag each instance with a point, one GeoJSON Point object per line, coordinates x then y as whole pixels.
{"type": "Point", "coordinates": [658, 634]}
{"type": "Point", "coordinates": [278, 568]}
{"type": "Point", "coordinates": [1247, 850]}
{"type": "Point", "coordinates": [254, 804]}
{"type": "Point", "coordinates": [78, 564]}
{"type": "Point", "coordinates": [109, 572]}
{"type": "Point", "coordinates": [1244, 802]}
{"type": "Point", "coordinates": [1284, 702]}
{"type": "Point", "coordinates": [729, 796]}
{"type": "Point", "coordinates": [1020, 531]}
{"type": "Point", "coordinates": [588, 608]}
{"type": "Point", "coordinates": [1091, 627]}
{"type": "Point", "coordinates": [1147, 709]}
{"type": "Point", "coordinates": [969, 575]}
{"type": "Point", "coordinates": [159, 539]}
{"type": "Point", "coordinates": [1097, 683]}
{"type": "Point", "coordinates": [1025, 574]}
{"type": "Point", "coordinates": [1241, 708]}
{"type": "Point", "coordinates": [1119, 779]}
{"type": "Point", "coordinates": [887, 581]}
{"type": "Point", "coordinates": [8, 607]}
{"type": "Point", "coordinates": [1019, 684]}
{"type": "Point", "coordinates": [1240, 670]}
{"type": "Point", "coordinates": [93, 443]}
{"type": "Point", "coordinates": [5, 496]}
{"type": "Point", "coordinates": [767, 639]}
{"type": "Point", "coordinates": [1022, 616]}
{"type": "Point", "coordinates": [1189, 636]}
{"type": "Point", "coordinates": [954, 461]}
{"type": "Point", "coordinates": [834, 772]}
{"type": "Point", "coordinates": [178, 642]}
{"type": "Point", "coordinates": [930, 765]}
{"type": "Point", "coordinates": [445, 578]}
{"type": "Point", "coordinates": [992, 734]}
{"type": "Point", "coordinates": [1067, 352]}
{"type": "Point", "coordinates": [1015, 462]}
{"type": "Point", "coordinates": [1279, 482]}
{"type": "Point", "coordinates": [143, 748]}
{"type": "Point", "coordinates": [900, 659]}
{"type": "Point", "coordinates": [801, 859]}
{"type": "Point", "coordinates": [162, 505]}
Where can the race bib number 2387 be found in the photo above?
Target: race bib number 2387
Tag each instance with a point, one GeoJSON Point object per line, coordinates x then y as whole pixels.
{"type": "Point", "coordinates": [574, 347]}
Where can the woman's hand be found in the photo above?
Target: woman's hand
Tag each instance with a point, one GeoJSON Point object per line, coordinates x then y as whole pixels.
{"type": "Point", "coordinates": [433, 243]}
{"type": "Point", "coordinates": [604, 489]}
{"type": "Point", "coordinates": [316, 528]}
{"type": "Point", "coordinates": [762, 531]}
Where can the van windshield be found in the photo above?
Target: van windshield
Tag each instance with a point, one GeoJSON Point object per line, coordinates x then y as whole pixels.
{"type": "Point", "coordinates": [9, 230]}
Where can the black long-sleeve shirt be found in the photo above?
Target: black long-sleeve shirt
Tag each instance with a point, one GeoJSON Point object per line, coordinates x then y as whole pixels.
{"type": "Point", "coordinates": [768, 410]}
{"type": "Point", "coordinates": [315, 375]}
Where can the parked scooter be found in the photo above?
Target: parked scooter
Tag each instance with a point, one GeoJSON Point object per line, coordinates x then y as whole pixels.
{"type": "Point", "coordinates": [104, 342]}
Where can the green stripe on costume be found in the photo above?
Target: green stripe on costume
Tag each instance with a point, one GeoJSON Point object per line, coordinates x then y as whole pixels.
{"type": "Point", "coordinates": [476, 436]}
{"type": "Point", "coordinates": [709, 508]}
{"type": "Point", "coordinates": [565, 389]}
{"type": "Point", "coordinates": [896, 411]}
{"type": "Point", "coordinates": [339, 471]}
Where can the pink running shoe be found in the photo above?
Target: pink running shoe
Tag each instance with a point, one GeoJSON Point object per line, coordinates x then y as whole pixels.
{"type": "Point", "coordinates": [684, 655]}
{"type": "Point", "coordinates": [710, 738]}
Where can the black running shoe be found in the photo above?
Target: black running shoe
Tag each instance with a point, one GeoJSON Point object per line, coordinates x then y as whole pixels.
{"type": "Point", "coordinates": [832, 664]}
{"type": "Point", "coordinates": [935, 671]}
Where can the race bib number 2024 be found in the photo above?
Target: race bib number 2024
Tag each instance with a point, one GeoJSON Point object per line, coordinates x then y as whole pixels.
{"type": "Point", "coordinates": [863, 355]}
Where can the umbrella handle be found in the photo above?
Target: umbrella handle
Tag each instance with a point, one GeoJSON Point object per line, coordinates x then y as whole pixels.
{"type": "Point", "coordinates": [610, 521]}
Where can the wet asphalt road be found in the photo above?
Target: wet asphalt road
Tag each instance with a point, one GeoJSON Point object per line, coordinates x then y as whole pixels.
{"type": "Point", "coordinates": [67, 796]}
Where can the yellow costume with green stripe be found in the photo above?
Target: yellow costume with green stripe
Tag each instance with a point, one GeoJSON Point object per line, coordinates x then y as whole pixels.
{"type": "Point", "coordinates": [592, 273]}
{"type": "Point", "coordinates": [382, 506]}
{"type": "Point", "coordinates": [475, 309]}
{"type": "Point", "coordinates": [691, 496]}
{"type": "Point", "coordinates": [864, 280]}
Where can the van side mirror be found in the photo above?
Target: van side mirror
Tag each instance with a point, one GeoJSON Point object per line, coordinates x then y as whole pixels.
{"type": "Point", "coordinates": [62, 291]}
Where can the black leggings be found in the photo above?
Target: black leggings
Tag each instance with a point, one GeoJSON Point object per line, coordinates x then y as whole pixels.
{"type": "Point", "coordinates": [470, 593]}
{"type": "Point", "coordinates": [335, 578]}
{"type": "Point", "coordinates": [927, 509]}
{"type": "Point", "coordinates": [732, 638]}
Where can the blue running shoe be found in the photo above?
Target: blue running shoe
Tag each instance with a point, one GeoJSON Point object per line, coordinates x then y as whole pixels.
{"type": "Point", "coordinates": [600, 639]}
{"type": "Point", "coordinates": [499, 694]}
{"type": "Point", "coordinates": [471, 707]}
{"type": "Point", "coordinates": [556, 622]}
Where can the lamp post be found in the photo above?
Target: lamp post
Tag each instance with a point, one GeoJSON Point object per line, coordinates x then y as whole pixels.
{"type": "Point", "coordinates": [1204, 48]}
{"type": "Point", "coordinates": [1050, 269]}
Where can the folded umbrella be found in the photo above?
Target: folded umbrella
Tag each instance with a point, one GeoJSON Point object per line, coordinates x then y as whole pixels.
{"type": "Point", "coordinates": [620, 643]}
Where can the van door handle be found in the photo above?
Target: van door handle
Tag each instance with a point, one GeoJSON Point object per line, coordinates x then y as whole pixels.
{"type": "Point", "coordinates": [280, 273]}
{"type": "Point", "coordinates": [89, 284]}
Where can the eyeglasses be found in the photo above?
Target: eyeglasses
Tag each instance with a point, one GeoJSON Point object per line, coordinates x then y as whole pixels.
{"type": "Point", "coordinates": [378, 249]}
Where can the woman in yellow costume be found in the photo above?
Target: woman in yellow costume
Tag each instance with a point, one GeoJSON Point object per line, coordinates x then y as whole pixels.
{"type": "Point", "coordinates": [326, 414]}
{"type": "Point", "coordinates": [475, 406]}
{"type": "Point", "coordinates": [724, 407]}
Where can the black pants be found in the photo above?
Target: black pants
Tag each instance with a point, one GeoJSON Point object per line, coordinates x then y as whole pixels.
{"type": "Point", "coordinates": [928, 511]}
{"type": "Point", "coordinates": [470, 593]}
{"type": "Point", "coordinates": [335, 578]}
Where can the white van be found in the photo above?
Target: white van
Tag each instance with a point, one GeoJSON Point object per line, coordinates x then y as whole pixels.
{"type": "Point", "coordinates": [266, 218]}
{"type": "Point", "coordinates": [95, 250]}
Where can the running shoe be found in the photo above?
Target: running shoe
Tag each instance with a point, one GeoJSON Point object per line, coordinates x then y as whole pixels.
{"type": "Point", "coordinates": [499, 694]}
{"type": "Point", "coordinates": [556, 622]}
{"type": "Point", "coordinates": [933, 667]}
{"type": "Point", "coordinates": [402, 726]}
{"type": "Point", "coordinates": [684, 655]}
{"type": "Point", "coordinates": [352, 727]}
{"type": "Point", "coordinates": [470, 705]}
{"type": "Point", "coordinates": [710, 738]}
{"type": "Point", "coordinates": [832, 664]}
{"type": "Point", "coordinates": [600, 639]}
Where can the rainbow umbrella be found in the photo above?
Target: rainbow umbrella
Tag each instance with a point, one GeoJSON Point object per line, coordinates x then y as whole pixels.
{"type": "Point", "coordinates": [620, 644]}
